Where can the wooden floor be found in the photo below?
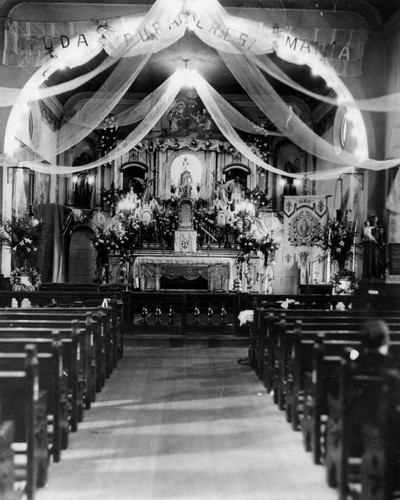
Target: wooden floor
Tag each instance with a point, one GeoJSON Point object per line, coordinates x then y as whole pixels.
{"type": "Point", "coordinates": [185, 423]}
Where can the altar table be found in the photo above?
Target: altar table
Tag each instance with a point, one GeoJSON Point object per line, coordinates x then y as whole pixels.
{"type": "Point", "coordinates": [218, 271]}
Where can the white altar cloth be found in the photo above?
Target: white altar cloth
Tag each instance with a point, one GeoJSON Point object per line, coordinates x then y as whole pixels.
{"type": "Point", "coordinates": [214, 269]}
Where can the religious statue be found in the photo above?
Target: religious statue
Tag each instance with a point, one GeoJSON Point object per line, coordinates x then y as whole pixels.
{"type": "Point", "coordinates": [185, 185]}
{"type": "Point", "coordinates": [289, 188]}
{"type": "Point", "coordinates": [373, 238]}
{"type": "Point", "coordinates": [220, 201]}
{"type": "Point", "coordinates": [236, 191]}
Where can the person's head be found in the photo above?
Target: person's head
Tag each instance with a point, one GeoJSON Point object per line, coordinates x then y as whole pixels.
{"type": "Point", "coordinates": [376, 335]}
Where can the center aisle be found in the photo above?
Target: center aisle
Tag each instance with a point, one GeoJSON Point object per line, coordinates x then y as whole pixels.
{"type": "Point", "coordinates": [185, 423]}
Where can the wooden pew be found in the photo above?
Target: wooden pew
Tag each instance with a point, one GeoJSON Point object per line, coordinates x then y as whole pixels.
{"type": "Point", "coordinates": [7, 466]}
{"type": "Point", "coordinates": [380, 463]}
{"type": "Point", "coordinates": [341, 395]}
{"type": "Point", "coordinates": [283, 350]}
{"type": "Point", "coordinates": [11, 340]}
{"type": "Point", "coordinates": [114, 310]}
{"type": "Point", "coordinates": [52, 379]}
{"type": "Point", "coordinates": [295, 350]}
{"type": "Point", "coordinates": [87, 345]}
{"type": "Point", "coordinates": [350, 407]}
{"type": "Point", "coordinates": [23, 403]}
{"type": "Point", "coordinates": [319, 381]}
{"type": "Point", "coordinates": [279, 335]}
{"type": "Point", "coordinates": [95, 322]}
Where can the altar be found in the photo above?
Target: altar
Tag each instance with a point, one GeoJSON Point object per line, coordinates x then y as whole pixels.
{"type": "Point", "coordinates": [218, 271]}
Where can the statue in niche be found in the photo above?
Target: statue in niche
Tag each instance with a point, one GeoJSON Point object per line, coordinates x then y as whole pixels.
{"type": "Point", "coordinates": [289, 188]}
{"type": "Point", "coordinates": [83, 189]}
{"type": "Point", "coordinates": [132, 197]}
{"type": "Point", "coordinates": [235, 189]}
{"type": "Point", "coordinates": [373, 238]}
{"type": "Point", "coordinates": [185, 184]}
{"type": "Point", "coordinates": [220, 201]}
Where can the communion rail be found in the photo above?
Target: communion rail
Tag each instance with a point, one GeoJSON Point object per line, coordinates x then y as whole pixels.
{"type": "Point", "coordinates": [179, 311]}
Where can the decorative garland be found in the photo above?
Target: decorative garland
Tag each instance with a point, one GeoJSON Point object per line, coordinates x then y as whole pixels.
{"type": "Point", "coordinates": [35, 279]}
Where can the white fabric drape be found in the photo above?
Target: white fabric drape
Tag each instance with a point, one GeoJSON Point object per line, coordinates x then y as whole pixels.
{"type": "Point", "coordinates": [235, 118]}
{"type": "Point", "coordinates": [278, 111]}
{"type": "Point", "coordinates": [211, 100]}
{"type": "Point", "coordinates": [160, 27]}
{"type": "Point", "coordinates": [127, 144]}
{"type": "Point", "coordinates": [386, 103]}
{"type": "Point", "coordinates": [208, 96]}
{"type": "Point", "coordinates": [94, 111]}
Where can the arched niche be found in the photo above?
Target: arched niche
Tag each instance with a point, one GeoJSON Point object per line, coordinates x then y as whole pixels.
{"type": "Point", "coordinates": [134, 173]}
{"type": "Point", "coordinates": [82, 256]}
{"type": "Point", "coordinates": [186, 173]}
{"type": "Point", "coordinates": [287, 157]}
{"type": "Point", "coordinates": [236, 170]}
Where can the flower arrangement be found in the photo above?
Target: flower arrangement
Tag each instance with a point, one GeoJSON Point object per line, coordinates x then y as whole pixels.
{"type": "Point", "coordinates": [112, 196]}
{"type": "Point", "coordinates": [203, 218]}
{"type": "Point", "coordinates": [122, 239]}
{"type": "Point", "coordinates": [340, 239]}
{"type": "Point", "coordinates": [259, 198]}
{"type": "Point", "coordinates": [33, 282]}
{"type": "Point", "coordinates": [246, 244]}
{"type": "Point", "coordinates": [166, 221]}
{"type": "Point", "coordinates": [344, 282]}
{"type": "Point", "coordinates": [267, 245]}
{"type": "Point", "coordinates": [22, 235]}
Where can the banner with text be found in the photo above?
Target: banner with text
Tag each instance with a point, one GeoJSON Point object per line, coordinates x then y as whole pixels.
{"type": "Point", "coordinates": [32, 43]}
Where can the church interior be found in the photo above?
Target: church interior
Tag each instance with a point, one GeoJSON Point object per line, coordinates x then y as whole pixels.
{"type": "Point", "coordinates": [199, 249]}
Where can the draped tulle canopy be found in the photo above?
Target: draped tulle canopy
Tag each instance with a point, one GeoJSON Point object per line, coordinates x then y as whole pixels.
{"type": "Point", "coordinates": [242, 44]}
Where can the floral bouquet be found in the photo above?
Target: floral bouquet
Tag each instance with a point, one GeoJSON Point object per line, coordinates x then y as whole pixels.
{"type": "Point", "coordinates": [165, 223]}
{"type": "Point", "coordinates": [340, 240]}
{"type": "Point", "coordinates": [22, 235]}
{"type": "Point", "coordinates": [112, 196]}
{"type": "Point", "coordinates": [268, 247]}
{"type": "Point", "coordinates": [120, 240]}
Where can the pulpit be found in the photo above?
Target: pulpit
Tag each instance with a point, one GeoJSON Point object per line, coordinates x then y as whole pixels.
{"type": "Point", "coordinates": [218, 271]}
